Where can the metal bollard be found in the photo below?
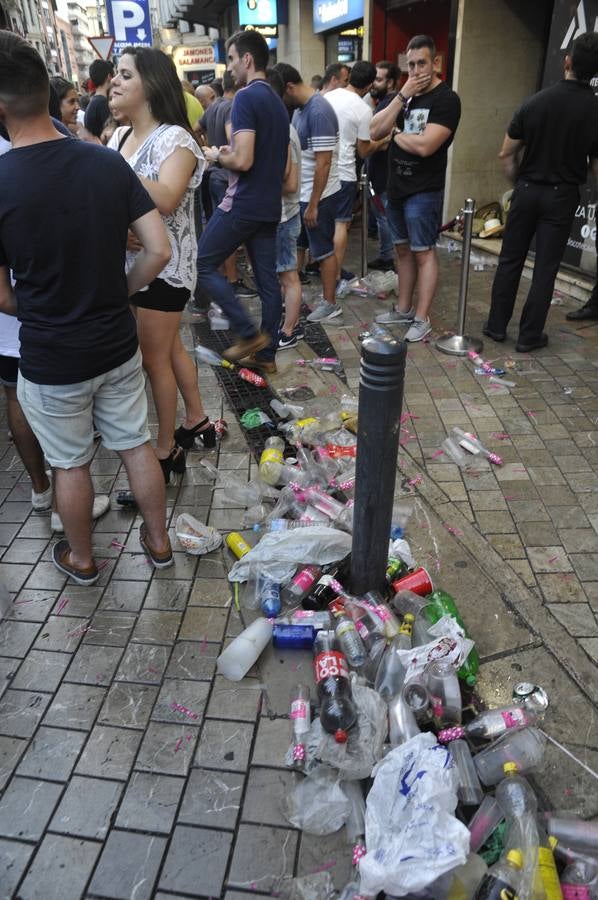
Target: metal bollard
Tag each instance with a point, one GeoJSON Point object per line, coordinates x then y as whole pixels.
{"type": "Point", "coordinates": [381, 383]}
{"type": "Point", "coordinates": [460, 344]}
{"type": "Point", "coordinates": [364, 187]}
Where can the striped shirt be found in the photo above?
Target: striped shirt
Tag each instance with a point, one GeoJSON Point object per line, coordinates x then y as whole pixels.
{"type": "Point", "coordinates": [317, 127]}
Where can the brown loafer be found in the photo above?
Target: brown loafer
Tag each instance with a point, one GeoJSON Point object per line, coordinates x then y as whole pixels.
{"type": "Point", "coordinates": [160, 559]}
{"type": "Point", "coordinates": [246, 346]}
{"type": "Point", "coordinates": [60, 557]}
{"type": "Point", "coordinates": [267, 366]}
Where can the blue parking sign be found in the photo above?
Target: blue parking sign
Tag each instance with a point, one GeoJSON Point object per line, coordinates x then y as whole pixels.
{"type": "Point", "coordinates": [129, 22]}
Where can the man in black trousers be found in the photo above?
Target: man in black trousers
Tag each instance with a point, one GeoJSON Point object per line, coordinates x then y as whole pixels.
{"type": "Point", "coordinates": [545, 154]}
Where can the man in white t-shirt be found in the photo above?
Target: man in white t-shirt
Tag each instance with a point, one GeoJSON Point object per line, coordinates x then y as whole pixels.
{"type": "Point", "coordinates": [354, 116]}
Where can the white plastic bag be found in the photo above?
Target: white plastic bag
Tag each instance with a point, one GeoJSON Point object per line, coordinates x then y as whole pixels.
{"type": "Point", "coordinates": [449, 645]}
{"type": "Point", "coordinates": [279, 553]}
{"type": "Point", "coordinates": [412, 835]}
{"type": "Point", "coordinates": [194, 537]}
{"type": "Point", "coordinates": [318, 886]}
{"type": "Point", "coordinates": [318, 804]}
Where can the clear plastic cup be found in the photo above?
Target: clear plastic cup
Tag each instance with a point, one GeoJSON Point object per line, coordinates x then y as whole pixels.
{"type": "Point", "coordinates": [485, 820]}
{"type": "Point", "coordinates": [524, 747]}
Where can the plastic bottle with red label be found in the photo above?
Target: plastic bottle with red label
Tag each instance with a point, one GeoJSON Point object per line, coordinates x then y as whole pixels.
{"type": "Point", "coordinates": [301, 584]}
{"type": "Point", "coordinates": [337, 711]}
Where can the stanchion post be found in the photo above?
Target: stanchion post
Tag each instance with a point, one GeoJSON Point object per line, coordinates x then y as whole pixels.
{"type": "Point", "coordinates": [382, 376]}
{"type": "Point", "coordinates": [365, 198]}
{"type": "Point", "coordinates": [460, 344]}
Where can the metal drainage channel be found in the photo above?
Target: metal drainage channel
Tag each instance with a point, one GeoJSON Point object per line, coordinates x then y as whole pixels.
{"type": "Point", "coordinates": [242, 394]}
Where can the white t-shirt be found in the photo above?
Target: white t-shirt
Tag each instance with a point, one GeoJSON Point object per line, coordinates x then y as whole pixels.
{"type": "Point", "coordinates": [9, 325]}
{"type": "Point", "coordinates": [290, 202]}
{"type": "Point", "coordinates": [354, 117]}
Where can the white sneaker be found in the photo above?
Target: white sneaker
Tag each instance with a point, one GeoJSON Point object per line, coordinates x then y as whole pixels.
{"type": "Point", "coordinates": [395, 317]}
{"type": "Point", "coordinates": [101, 505]}
{"type": "Point", "coordinates": [43, 500]}
{"type": "Point", "coordinates": [418, 331]}
{"type": "Point", "coordinates": [343, 288]}
{"type": "Point", "coordinates": [324, 311]}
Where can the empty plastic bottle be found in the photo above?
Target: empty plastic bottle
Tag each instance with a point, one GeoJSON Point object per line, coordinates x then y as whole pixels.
{"type": "Point", "coordinates": [491, 724]}
{"type": "Point", "coordinates": [575, 833]}
{"type": "Point", "coordinates": [503, 879]}
{"type": "Point", "coordinates": [272, 460]}
{"type": "Point", "coordinates": [391, 672]}
{"type": "Point", "coordinates": [416, 696]}
{"type": "Point", "coordinates": [337, 711]}
{"type": "Point", "coordinates": [300, 723]}
{"type": "Point", "coordinates": [440, 604]}
{"type": "Point", "coordinates": [269, 593]}
{"type": "Point", "coordinates": [445, 692]}
{"type": "Point", "coordinates": [301, 584]}
{"type": "Point", "coordinates": [402, 724]}
{"type": "Point", "coordinates": [470, 790]}
{"type": "Point", "coordinates": [252, 377]}
{"type": "Point", "coordinates": [280, 408]}
{"type": "Point", "coordinates": [349, 640]}
{"type": "Point", "coordinates": [205, 354]}
{"type": "Point", "coordinates": [579, 881]}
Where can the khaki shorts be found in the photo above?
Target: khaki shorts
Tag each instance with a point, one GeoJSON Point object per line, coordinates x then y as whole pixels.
{"type": "Point", "coordinates": [63, 416]}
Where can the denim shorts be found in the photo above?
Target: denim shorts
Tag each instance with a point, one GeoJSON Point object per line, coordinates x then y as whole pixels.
{"type": "Point", "coordinates": [416, 220]}
{"type": "Point", "coordinates": [346, 201]}
{"type": "Point", "coordinates": [321, 238]}
{"type": "Point", "coordinates": [286, 244]}
{"type": "Point", "coordinates": [63, 416]}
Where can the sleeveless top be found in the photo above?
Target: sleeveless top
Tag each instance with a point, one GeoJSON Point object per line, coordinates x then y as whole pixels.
{"type": "Point", "coordinates": [181, 270]}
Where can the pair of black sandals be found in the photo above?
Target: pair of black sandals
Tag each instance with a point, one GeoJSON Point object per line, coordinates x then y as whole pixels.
{"type": "Point", "coordinates": [176, 460]}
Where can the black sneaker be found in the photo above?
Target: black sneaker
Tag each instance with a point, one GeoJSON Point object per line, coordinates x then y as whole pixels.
{"type": "Point", "coordinates": [381, 265]}
{"type": "Point", "coordinates": [299, 332]}
{"type": "Point", "coordinates": [304, 279]}
{"type": "Point", "coordinates": [242, 290]}
{"type": "Point", "coordinates": [348, 276]}
{"type": "Point", "coordinates": [286, 341]}
{"type": "Point", "coordinates": [313, 268]}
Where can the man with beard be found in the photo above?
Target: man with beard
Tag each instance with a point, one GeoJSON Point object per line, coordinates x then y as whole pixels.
{"type": "Point", "coordinates": [383, 91]}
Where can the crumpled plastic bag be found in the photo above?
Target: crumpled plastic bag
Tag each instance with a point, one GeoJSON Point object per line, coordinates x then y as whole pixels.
{"type": "Point", "coordinates": [278, 553]}
{"type": "Point", "coordinates": [318, 804]}
{"type": "Point", "coordinates": [412, 834]}
{"type": "Point", "coordinates": [400, 549]}
{"type": "Point", "coordinates": [449, 644]}
{"type": "Point", "coordinates": [318, 886]}
{"type": "Point", "coordinates": [194, 537]}
{"type": "Point", "coordinates": [364, 747]}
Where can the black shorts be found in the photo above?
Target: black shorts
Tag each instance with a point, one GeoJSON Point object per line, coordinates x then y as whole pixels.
{"type": "Point", "coordinates": [161, 296]}
{"type": "Point", "coordinates": [9, 370]}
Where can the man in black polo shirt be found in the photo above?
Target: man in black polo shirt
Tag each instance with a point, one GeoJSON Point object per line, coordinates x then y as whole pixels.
{"type": "Point", "coordinates": [555, 132]}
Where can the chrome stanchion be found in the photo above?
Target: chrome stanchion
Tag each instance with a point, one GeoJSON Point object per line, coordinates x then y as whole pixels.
{"type": "Point", "coordinates": [460, 344]}
{"type": "Point", "coordinates": [365, 199]}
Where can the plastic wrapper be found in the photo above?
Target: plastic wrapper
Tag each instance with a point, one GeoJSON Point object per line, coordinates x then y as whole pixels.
{"type": "Point", "coordinates": [364, 747]}
{"type": "Point", "coordinates": [318, 886]}
{"type": "Point", "coordinates": [194, 537]}
{"type": "Point", "coordinates": [318, 805]}
{"type": "Point", "coordinates": [412, 834]}
{"type": "Point", "coordinates": [400, 549]}
{"type": "Point", "coordinates": [449, 645]}
{"type": "Point", "coordinates": [279, 553]}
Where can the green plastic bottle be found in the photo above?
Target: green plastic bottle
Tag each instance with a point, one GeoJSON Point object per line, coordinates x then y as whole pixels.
{"type": "Point", "coordinates": [440, 604]}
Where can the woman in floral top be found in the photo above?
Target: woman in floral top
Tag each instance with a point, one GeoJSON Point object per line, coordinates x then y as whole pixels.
{"type": "Point", "coordinates": [161, 149]}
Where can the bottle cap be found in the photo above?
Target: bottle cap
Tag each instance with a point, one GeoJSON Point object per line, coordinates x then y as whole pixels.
{"type": "Point", "coordinates": [515, 857]}
{"type": "Point", "coordinates": [470, 680]}
{"type": "Point", "coordinates": [510, 768]}
{"type": "Point", "coordinates": [340, 736]}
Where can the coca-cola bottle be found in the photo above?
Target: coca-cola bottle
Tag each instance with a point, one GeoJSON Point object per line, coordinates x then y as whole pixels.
{"type": "Point", "coordinates": [337, 712]}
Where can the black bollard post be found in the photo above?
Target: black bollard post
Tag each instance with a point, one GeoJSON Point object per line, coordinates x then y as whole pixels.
{"type": "Point", "coordinates": [381, 381]}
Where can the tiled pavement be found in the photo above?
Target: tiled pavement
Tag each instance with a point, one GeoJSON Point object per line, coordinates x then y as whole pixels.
{"type": "Point", "coordinates": [110, 793]}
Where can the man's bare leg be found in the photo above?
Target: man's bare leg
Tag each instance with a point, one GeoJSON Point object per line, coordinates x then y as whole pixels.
{"type": "Point", "coordinates": [147, 484]}
{"type": "Point", "coordinates": [407, 268]}
{"type": "Point", "coordinates": [73, 490]}
{"type": "Point", "coordinates": [26, 443]}
{"type": "Point", "coordinates": [427, 280]}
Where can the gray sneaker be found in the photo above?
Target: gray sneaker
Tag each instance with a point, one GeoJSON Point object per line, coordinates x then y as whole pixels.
{"type": "Point", "coordinates": [325, 311]}
{"type": "Point", "coordinates": [395, 317]}
{"type": "Point", "coordinates": [418, 331]}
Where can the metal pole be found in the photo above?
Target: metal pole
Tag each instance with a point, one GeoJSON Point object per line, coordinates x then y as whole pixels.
{"type": "Point", "coordinates": [460, 344]}
{"type": "Point", "coordinates": [382, 377]}
{"type": "Point", "coordinates": [363, 187]}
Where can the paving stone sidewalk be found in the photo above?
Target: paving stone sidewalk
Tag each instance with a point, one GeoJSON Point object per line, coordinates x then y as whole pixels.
{"type": "Point", "coordinates": [109, 792]}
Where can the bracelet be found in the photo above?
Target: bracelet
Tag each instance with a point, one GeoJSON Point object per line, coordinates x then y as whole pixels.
{"type": "Point", "coordinates": [402, 98]}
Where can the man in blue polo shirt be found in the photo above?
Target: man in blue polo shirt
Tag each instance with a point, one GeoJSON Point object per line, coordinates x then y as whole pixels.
{"type": "Point", "coordinates": [251, 208]}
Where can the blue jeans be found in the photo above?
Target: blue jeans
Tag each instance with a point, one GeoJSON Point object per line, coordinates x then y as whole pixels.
{"type": "Point", "coordinates": [224, 232]}
{"type": "Point", "coordinates": [415, 220]}
{"type": "Point", "coordinates": [387, 250]}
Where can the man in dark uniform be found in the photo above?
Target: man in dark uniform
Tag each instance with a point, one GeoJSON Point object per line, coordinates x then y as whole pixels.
{"type": "Point", "coordinates": [555, 132]}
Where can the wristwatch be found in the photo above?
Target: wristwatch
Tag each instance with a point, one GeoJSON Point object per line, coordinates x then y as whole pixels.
{"type": "Point", "coordinates": [402, 98]}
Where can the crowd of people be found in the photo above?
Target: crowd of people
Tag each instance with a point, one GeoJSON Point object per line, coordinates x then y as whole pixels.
{"type": "Point", "coordinates": [114, 217]}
